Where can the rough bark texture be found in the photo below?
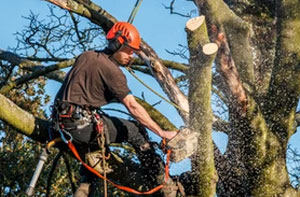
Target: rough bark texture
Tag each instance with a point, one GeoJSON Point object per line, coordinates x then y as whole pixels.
{"type": "Point", "coordinates": [22, 121]}
{"type": "Point", "coordinates": [200, 77]}
{"type": "Point", "coordinates": [257, 76]}
{"type": "Point", "coordinates": [255, 158]}
{"type": "Point", "coordinates": [166, 81]}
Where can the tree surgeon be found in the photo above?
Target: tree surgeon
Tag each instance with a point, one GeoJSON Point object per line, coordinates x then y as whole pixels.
{"type": "Point", "coordinates": [96, 80]}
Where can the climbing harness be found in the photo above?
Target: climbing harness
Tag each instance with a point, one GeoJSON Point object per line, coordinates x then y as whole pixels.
{"type": "Point", "coordinates": [124, 188]}
{"type": "Point", "coordinates": [67, 138]}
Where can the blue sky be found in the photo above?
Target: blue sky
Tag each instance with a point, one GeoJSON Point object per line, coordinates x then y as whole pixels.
{"type": "Point", "coordinates": [157, 27]}
{"type": "Point", "coordinates": [160, 34]}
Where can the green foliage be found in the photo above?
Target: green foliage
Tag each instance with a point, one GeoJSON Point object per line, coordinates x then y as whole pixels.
{"type": "Point", "coordinates": [62, 35]}
{"type": "Point", "coordinates": [19, 158]}
{"type": "Point", "coordinates": [19, 155]}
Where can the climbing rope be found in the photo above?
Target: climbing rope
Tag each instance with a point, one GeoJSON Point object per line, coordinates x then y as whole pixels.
{"type": "Point", "coordinates": [130, 20]}
{"type": "Point", "coordinates": [54, 164]}
{"type": "Point", "coordinates": [134, 11]}
{"type": "Point", "coordinates": [101, 143]}
{"type": "Point", "coordinates": [124, 188]}
{"type": "Point", "coordinates": [152, 90]}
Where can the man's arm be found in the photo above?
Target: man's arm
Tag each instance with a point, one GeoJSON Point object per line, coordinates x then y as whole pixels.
{"type": "Point", "coordinates": [141, 115]}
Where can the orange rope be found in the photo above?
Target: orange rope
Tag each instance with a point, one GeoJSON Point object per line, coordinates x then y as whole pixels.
{"type": "Point", "coordinates": [157, 188]}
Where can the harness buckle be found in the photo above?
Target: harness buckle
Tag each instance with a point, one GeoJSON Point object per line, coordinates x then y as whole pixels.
{"type": "Point", "coordinates": [62, 136]}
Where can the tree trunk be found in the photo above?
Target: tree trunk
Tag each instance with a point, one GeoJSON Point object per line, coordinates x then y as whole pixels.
{"type": "Point", "coordinates": [202, 55]}
{"type": "Point", "coordinates": [255, 157]}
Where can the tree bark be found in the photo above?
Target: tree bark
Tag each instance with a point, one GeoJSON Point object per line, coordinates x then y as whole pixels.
{"type": "Point", "coordinates": [202, 54]}
{"type": "Point", "coordinates": [100, 17]}
{"type": "Point", "coordinates": [256, 151]}
{"type": "Point", "coordinates": [22, 121]}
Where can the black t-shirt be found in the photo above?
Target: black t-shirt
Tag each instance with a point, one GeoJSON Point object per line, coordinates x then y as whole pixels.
{"type": "Point", "coordinates": [94, 81]}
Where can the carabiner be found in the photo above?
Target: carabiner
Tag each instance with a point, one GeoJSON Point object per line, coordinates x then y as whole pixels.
{"type": "Point", "coordinates": [62, 136]}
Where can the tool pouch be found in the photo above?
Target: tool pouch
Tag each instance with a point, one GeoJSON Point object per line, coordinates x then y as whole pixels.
{"type": "Point", "coordinates": [95, 160]}
{"type": "Point", "coordinates": [183, 145]}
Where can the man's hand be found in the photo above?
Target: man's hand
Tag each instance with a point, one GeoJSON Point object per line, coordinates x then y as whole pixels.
{"type": "Point", "coordinates": [169, 134]}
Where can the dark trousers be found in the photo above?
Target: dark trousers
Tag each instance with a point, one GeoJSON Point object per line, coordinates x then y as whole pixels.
{"type": "Point", "coordinates": [118, 130]}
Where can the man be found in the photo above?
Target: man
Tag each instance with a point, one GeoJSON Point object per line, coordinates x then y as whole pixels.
{"type": "Point", "coordinates": [96, 80]}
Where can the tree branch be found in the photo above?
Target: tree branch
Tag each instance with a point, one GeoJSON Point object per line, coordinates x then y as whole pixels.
{"type": "Point", "coordinates": [31, 65]}
{"type": "Point", "coordinates": [22, 121]}
{"type": "Point", "coordinates": [283, 96]}
{"type": "Point", "coordinates": [221, 125]}
{"type": "Point", "coordinates": [100, 17]}
{"type": "Point", "coordinates": [169, 64]}
{"type": "Point", "coordinates": [36, 74]}
{"type": "Point", "coordinates": [159, 118]}
{"type": "Point", "coordinates": [227, 68]}
{"type": "Point", "coordinates": [236, 31]}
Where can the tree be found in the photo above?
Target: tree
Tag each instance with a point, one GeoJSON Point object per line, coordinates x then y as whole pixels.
{"type": "Point", "coordinates": [244, 54]}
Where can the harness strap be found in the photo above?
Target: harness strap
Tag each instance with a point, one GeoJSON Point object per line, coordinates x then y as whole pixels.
{"type": "Point", "coordinates": [99, 129]}
{"type": "Point", "coordinates": [124, 188]}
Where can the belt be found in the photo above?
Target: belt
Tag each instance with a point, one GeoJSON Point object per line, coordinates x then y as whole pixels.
{"type": "Point", "coordinates": [72, 116]}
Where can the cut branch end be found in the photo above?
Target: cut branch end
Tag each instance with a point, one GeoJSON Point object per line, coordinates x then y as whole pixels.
{"type": "Point", "coordinates": [210, 48]}
{"type": "Point", "coordinates": [194, 23]}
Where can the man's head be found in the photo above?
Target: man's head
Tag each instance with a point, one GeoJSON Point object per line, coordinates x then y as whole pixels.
{"type": "Point", "coordinates": [123, 33]}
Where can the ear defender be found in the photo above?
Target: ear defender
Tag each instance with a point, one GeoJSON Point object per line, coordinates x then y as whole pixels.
{"type": "Point", "coordinates": [114, 45]}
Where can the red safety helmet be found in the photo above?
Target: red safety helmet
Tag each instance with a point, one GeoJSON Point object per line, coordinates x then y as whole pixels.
{"type": "Point", "coordinates": [125, 33]}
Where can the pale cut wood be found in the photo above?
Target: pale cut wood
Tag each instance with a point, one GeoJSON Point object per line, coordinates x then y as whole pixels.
{"type": "Point", "coordinates": [195, 22]}
{"type": "Point", "coordinates": [210, 48]}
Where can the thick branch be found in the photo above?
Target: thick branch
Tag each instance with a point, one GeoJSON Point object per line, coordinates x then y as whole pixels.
{"type": "Point", "coordinates": [89, 10]}
{"type": "Point", "coordinates": [16, 60]}
{"type": "Point", "coordinates": [56, 75]}
{"type": "Point", "coordinates": [166, 81]}
{"type": "Point", "coordinates": [99, 16]}
{"type": "Point", "coordinates": [175, 65]}
{"type": "Point", "coordinates": [36, 74]}
{"type": "Point", "coordinates": [33, 66]}
{"type": "Point", "coordinates": [159, 118]}
{"type": "Point", "coordinates": [227, 68]}
{"type": "Point", "coordinates": [284, 92]}
{"type": "Point", "coordinates": [237, 32]}
{"type": "Point", "coordinates": [169, 64]}
{"type": "Point", "coordinates": [22, 121]}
